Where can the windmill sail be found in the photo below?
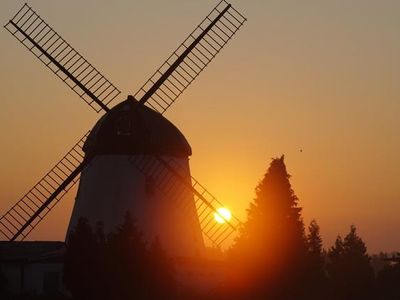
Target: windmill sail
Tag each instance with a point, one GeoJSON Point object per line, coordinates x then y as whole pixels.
{"type": "Point", "coordinates": [167, 178]}
{"type": "Point", "coordinates": [166, 85]}
{"type": "Point", "coordinates": [30, 210]}
{"type": "Point", "coordinates": [159, 92]}
{"type": "Point", "coordinates": [62, 59]}
{"type": "Point", "coordinates": [191, 57]}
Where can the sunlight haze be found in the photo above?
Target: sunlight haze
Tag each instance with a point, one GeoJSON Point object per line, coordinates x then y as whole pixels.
{"type": "Point", "coordinates": [317, 81]}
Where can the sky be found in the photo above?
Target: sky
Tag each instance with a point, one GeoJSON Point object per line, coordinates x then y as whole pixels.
{"type": "Point", "coordinates": [316, 81]}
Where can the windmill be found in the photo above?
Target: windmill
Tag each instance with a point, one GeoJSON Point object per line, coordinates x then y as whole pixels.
{"type": "Point", "coordinates": [133, 159]}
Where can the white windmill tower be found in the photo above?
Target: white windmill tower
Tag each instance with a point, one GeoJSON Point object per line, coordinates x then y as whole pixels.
{"type": "Point", "coordinates": [134, 160]}
{"type": "Point", "coordinates": [113, 185]}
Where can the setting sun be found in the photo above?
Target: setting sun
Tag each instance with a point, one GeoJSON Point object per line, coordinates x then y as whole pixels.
{"type": "Point", "coordinates": [222, 215]}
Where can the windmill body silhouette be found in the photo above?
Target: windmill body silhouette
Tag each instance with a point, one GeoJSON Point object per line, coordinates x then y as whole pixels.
{"type": "Point", "coordinates": [113, 185]}
{"type": "Point", "coordinates": [134, 160]}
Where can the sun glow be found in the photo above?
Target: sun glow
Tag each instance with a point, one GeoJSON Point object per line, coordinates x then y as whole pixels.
{"type": "Point", "coordinates": [222, 215]}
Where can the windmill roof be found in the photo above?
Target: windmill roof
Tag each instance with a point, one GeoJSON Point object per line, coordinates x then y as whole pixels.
{"type": "Point", "coordinates": [131, 128]}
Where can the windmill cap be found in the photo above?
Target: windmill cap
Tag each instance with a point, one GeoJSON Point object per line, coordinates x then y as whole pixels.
{"type": "Point", "coordinates": [131, 128]}
{"type": "Point", "coordinates": [131, 98]}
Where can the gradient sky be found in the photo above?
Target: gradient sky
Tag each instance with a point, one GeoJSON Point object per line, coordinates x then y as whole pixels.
{"type": "Point", "coordinates": [321, 76]}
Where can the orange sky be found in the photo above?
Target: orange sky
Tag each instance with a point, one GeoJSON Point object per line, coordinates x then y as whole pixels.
{"type": "Point", "coordinates": [322, 76]}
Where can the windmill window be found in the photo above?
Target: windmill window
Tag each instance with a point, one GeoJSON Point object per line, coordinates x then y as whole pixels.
{"type": "Point", "coordinates": [149, 186]}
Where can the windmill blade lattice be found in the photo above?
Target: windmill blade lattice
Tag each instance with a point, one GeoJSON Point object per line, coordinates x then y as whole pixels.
{"type": "Point", "coordinates": [62, 59]}
{"type": "Point", "coordinates": [167, 178]}
{"type": "Point", "coordinates": [159, 92]}
{"type": "Point", "coordinates": [30, 210]}
{"type": "Point", "coordinates": [191, 57]}
{"type": "Point", "coordinates": [207, 207]}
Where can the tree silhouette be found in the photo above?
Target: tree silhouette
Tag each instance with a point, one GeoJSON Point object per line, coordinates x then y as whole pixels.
{"type": "Point", "coordinates": [270, 252]}
{"type": "Point", "coordinates": [81, 262]}
{"type": "Point", "coordinates": [127, 258]}
{"type": "Point", "coordinates": [119, 266]}
{"type": "Point", "coordinates": [314, 246]}
{"type": "Point", "coordinates": [349, 268]}
{"type": "Point", "coordinates": [315, 277]}
{"type": "Point", "coordinates": [388, 282]}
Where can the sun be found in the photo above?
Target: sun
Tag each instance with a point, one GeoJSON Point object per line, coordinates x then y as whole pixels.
{"type": "Point", "coordinates": [222, 215]}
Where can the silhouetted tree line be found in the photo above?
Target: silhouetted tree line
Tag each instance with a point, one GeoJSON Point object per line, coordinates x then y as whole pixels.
{"type": "Point", "coordinates": [118, 266]}
{"type": "Point", "coordinates": [274, 257]}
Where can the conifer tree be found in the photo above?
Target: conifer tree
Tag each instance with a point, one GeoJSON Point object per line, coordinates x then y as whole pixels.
{"type": "Point", "coordinates": [271, 248]}
{"type": "Point", "coordinates": [349, 268]}
{"type": "Point", "coordinates": [314, 277]}
{"type": "Point", "coordinates": [314, 244]}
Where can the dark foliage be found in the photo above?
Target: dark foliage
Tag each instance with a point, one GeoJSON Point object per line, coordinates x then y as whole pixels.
{"type": "Point", "coordinates": [315, 249]}
{"type": "Point", "coordinates": [388, 283]}
{"type": "Point", "coordinates": [314, 277]}
{"type": "Point", "coordinates": [349, 269]}
{"type": "Point", "coordinates": [271, 250]}
{"type": "Point", "coordinates": [120, 266]}
{"type": "Point", "coordinates": [81, 262]}
{"type": "Point", "coordinates": [273, 258]}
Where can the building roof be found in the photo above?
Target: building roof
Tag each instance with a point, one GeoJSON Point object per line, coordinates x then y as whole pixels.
{"type": "Point", "coordinates": [28, 251]}
{"type": "Point", "coordinates": [131, 128]}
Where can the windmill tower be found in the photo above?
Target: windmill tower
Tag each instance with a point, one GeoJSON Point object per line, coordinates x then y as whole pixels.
{"type": "Point", "coordinates": [113, 185]}
{"type": "Point", "coordinates": [133, 160]}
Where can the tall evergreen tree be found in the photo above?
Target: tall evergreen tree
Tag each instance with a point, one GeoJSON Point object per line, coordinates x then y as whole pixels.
{"type": "Point", "coordinates": [314, 277]}
{"type": "Point", "coordinates": [349, 268]}
{"type": "Point", "coordinates": [314, 245]}
{"type": "Point", "coordinates": [271, 248]}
